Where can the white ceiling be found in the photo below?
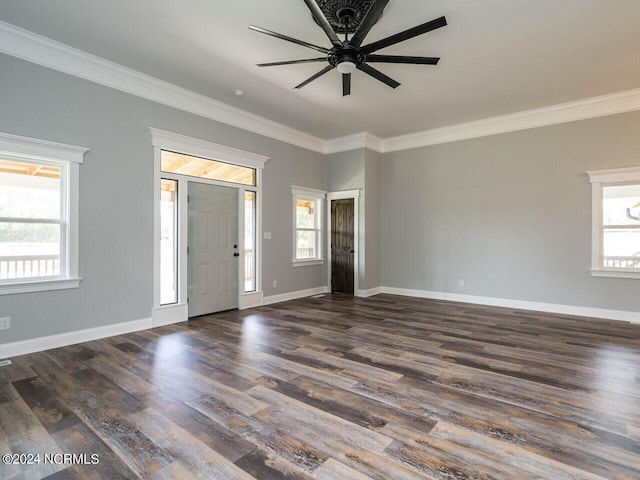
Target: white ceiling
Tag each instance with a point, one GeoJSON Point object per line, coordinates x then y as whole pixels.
{"type": "Point", "coordinates": [497, 56]}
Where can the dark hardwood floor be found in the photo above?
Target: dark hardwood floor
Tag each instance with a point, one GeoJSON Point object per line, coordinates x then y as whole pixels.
{"type": "Point", "coordinates": [335, 388]}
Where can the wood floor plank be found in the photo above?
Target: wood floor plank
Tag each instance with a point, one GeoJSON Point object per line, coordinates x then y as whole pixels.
{"type": "Point", "coordinates": [24, 434]}
{"type": "Point", "coordinates": [334, 470]}
{"type": "Point", "coordinates": [50, 410]}
{"type": "Point", "coordinates": [80, 439]}
{"type": "Point", "coordinates": [215, 435]}
{"type": "Point", "coordinates": [510, 456]}
{"type": "Point", "coordinates": [299, 413]}
{"type": "Point", "coordinates": [187, 450]}
{"type": "Point", "coordinates": [298, 455]}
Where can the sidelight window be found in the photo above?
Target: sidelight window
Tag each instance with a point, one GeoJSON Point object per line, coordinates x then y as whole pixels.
{"type": "Point", "coordinates": [168, 241]}
{"type": "Point", "coordinates": [250, 241]}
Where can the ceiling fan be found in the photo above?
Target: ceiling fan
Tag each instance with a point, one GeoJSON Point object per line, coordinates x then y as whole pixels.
{"type": "Point", "coordinates": [349, 55]}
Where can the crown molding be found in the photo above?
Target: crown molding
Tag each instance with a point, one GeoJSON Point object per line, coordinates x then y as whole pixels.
{"type": "Point", "coordinates": [40, 50]}
{"type": "Point", "coordinates": [354, 142]}
{"type": "Point", "coordinates": [611, 104]}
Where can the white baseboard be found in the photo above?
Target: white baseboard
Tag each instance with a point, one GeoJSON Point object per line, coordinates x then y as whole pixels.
{"type": "Point", "coordinates": [170, 314]}
{"type": "Point", "coordinates": [369, 293]}
{"type": "Point", "coordinates": [250, 300]}
{"type": "Point", "coordinates": [24, 347]}
{"type": "Point", "coordinates": [623, 315]}
{"type": "Point", "coordinates": [14, 349]}
{"type": "Point", "coordinates": [285, 297]}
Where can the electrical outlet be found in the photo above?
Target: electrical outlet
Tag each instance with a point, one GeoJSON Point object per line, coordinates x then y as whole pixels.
{"type": "Point", "coordinates": [461, 283]}
{"type": "Point", "coordinates": [5, 323]}
{"type": "Point", "coordinates": [267, 235]}
{"type": "Point", "coordinates": [275, 284]}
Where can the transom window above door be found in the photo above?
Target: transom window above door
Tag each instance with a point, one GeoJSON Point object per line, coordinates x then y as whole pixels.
{"type": "Point", "coordinates": [171, 162]}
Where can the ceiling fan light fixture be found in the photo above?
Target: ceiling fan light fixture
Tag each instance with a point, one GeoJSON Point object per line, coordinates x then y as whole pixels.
{"type": "Point", "coordinates": [346, 67]}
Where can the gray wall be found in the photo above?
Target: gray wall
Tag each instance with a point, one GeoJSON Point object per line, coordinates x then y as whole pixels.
{"type": "Point", "coordinates": [372, 213]}
{"type": "Point", "coordinates": [360, 170]}
{"type": "Point", "coordinates": [509, 214]}
{"type": "Point", "coordinates": [116, 196]}
{"type": "Point", "coordinates": [345, 171]}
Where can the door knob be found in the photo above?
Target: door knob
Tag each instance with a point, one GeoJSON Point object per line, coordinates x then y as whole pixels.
{"type": "Point", "coordinates": [236, 254]}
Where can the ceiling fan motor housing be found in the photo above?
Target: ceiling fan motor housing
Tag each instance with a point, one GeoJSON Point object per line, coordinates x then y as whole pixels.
{"type": "Point", "coordinates": [346, 53]}
{"type": "Point", "coordinates": [344, 15]}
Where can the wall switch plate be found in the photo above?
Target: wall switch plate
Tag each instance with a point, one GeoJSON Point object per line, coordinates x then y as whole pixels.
{"type": "Point", "coordinates": [267, 235]}
{"type": "Point", "coordinates": [5, 323]}
{"type": "Point", "coordinates": [275, 284]}
{"type": "Point", "coordinates": [461, 283]}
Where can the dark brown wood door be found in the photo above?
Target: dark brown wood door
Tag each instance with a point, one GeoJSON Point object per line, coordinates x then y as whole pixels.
{"type": "Point", "coordinates": [342, 247]}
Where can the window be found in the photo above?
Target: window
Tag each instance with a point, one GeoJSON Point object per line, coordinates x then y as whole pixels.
{"type": "Point", "coordinates": [616, 222]}
{"type": "Point", "coordinates": [250, 241]}
{"type": "Point", "coordinates": [168, 241]}
{"type": "Point", "coordinates": [191, 166]}
{"type": "Point", "coordinates": [307, 213]}
{"type": "Point", "coordinates": [38, 215]}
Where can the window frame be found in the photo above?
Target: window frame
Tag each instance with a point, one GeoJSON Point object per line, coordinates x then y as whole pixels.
{"type": "Point", "coordinates": [318, 197]}
{"type": "Point", "coordinates": [68, 158]}
{"type": "Point", "coordinates": [253, 260]}
{"type": "Point", "coordinates": [600, 179]}
{"type": "Point", "coordinates": [176, 230]}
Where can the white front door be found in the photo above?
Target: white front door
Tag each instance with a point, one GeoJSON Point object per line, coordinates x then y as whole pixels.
{"type": "Point", "coordinates": [212, 248]}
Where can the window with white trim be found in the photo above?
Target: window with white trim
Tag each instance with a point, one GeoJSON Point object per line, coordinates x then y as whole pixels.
{"type": "Point", "coordinates": [307, 221]}
{"type": "Point", "coordinates": [616, 222]}
{"type": "Point", "coordinates": [38, 215]}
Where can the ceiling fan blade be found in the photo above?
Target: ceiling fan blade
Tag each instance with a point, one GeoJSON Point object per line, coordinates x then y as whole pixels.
{"type": "Point", "coordinates": [288, 39]}
{"type": "Point", "coordinates": [316, 76]}
{"type": "Point", "coordinates": [368, 21]}
{"type": "Point", "coordinates": [292, 62]}
{"type": "Point", "coordinates": [378, 75]}
{"type": "Point", "coordinates": [406, 35]}
{"type": "Point", "coordinates": [346, 84]}
{"type": "Point", "coordinates": [402, 59]}
{"type": "Point", "coordinates": [323, 22]}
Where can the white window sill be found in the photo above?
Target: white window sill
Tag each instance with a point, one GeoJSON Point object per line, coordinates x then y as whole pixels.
{"type": "Point", "coordinates": [615, 273]}
{"type": "Point", "coordinates": [27, 286]}
{"type": "Point", "coordinates": [307, 263]}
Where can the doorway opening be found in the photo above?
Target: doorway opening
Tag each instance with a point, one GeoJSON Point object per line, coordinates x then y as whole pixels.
{"type": "Point", "coordinates": [208, 228]}
{"type": "Point", "coordinates": [343, 239]}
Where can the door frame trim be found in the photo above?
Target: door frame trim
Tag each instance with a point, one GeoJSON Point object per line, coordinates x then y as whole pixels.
{"type": "Point", "coordinates": [341, 195]}
{"type": "Point", "coordinates": [163, 140]}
